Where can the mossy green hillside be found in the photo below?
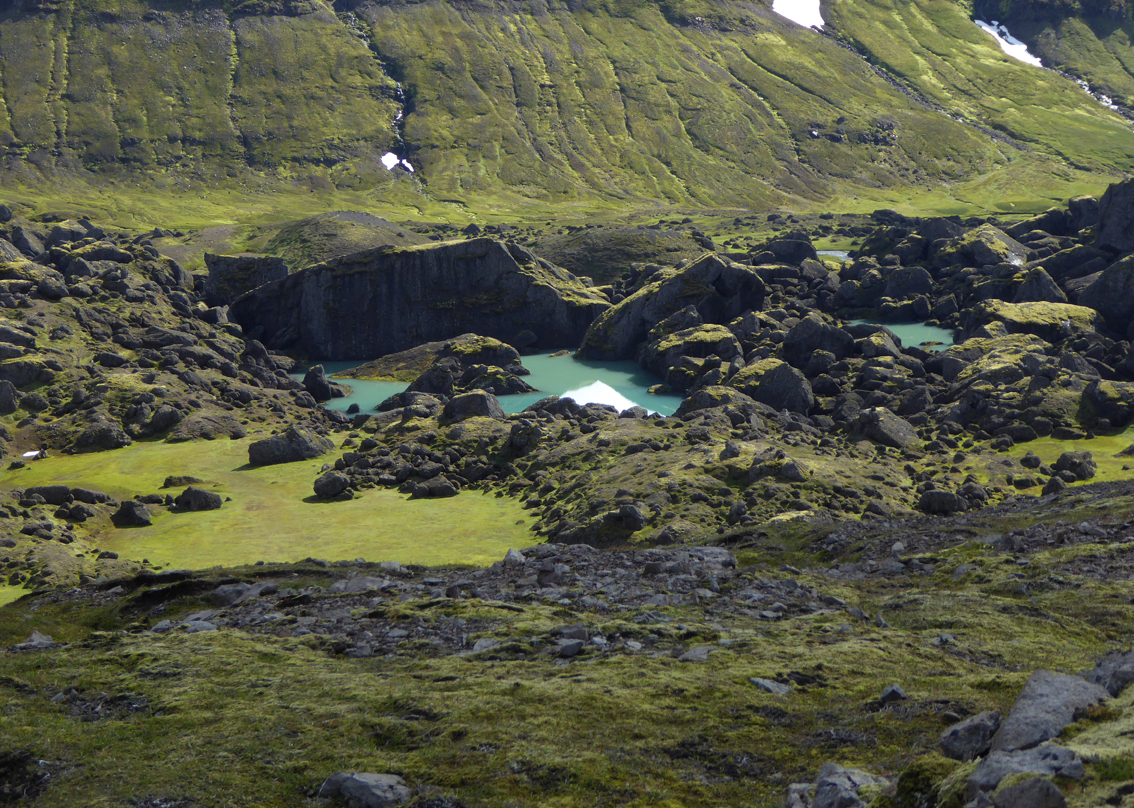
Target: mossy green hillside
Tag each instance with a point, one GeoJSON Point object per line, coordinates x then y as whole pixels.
{"type": "Point", "coordinates": [247, 718]}
{"type": "Point", "coordinates": [507, 111]}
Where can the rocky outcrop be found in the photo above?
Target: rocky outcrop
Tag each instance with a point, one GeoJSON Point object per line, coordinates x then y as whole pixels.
{"type": "Point", "coordinates": [717, 289]}
{"type": "Point", "coordinates": [379, 301]}
{"type": "Point", "coordinates": [231, 276]}
{"type": "Point", "coordinates": [1111, 294]}
{"type": "Point", "coordinates": [1116, 218]}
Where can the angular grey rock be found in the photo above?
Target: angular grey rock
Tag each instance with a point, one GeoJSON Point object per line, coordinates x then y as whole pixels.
{"type": "Point", "coordinates": [838, 787]}
{"type": "Point", "coordinates": [1047, 760]}
{"type": "Point", "coordinates": [131, 514]}
{"type": "Point", "coordinates": [697, 654]}
{"type": "Point", "coordinates": [289, 446]}
{"type": "Point", "coordinates": [514, 558]}
{"type": "Point", "coordinates": [9, 398]}
{"type": "Point", "coordinates": [315, 382]}
{"type": "Point", "coordinates": [971, 738]}
{"type": "Point", "coordinates": [570, 648]}
{"type": "Point", "coordinates": [777, 384]}
{"type": "Point", "coordinates": [1113, 672]}
{"type": "Point", "coordinates": [812, 334]}
{"type": "Point", "coordinates": [1081, 464]}
{"type": "Point", "coordinates": [195, 626]}
{"type": "Point", "coordinates": [881, 425]}
{"type": "Point", "coordinates": [485, 644]}
{"type": "Point", "coordinates": [197, 499]}
{"type": "Point", "coordinates": [1037, 792]}
{"type": "Point", "coordinates": [1047, 704]}
{"type": "Point", "coordinates": [941, 502]}
{"type": "Point", "coordinates": [51, 494]}
{"type": "Point", "coordinates": [228, 594]}
{"type": "Point", "coordinates": [37, 642]}
{"type": "Point", "coordinates": [100, 436]}
{"type": "Point", "coordinates": [381, 300]}
{"type": "Point", "coordinates": [364, 790]}
{"type": "Point", "coordinates": [331, 484]}
{"type": "Point", "coordinates": [1038, 287]}
{"type": "Point", "coordinates": [770, 686]}
{"type": "Point", "coordinates": [892, 693]}
{"type": "Point", "coordinates": [471, 404]}
{"type": "Point", "coordinates": [1116, 217]}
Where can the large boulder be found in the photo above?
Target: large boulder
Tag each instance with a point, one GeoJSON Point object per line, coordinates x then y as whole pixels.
{"type": "Point", "coordinates": [101, 436]}
{"type": "Point", "coordinates": [365, 790]}
{"type": "Point", "coordinates": [289, 446]}
{"type": "Point", "coordinates": [231, 276]}
{"type": "Point", "coordinates": [971, 738]}
{"type": "Point", "coordinates": [1048, 321]}
{"type": "Point", "coordinates": [812, 334]}
{"type": "Point", "coordinates": [131, 514]}
{"type": "Point", "coordinates": [331, 484]}
{"type": "Point", "coordinates": [667, 355]}
{"type": "Point", "coordinates": [882, 426]}
{"type": "Point", "coordinates": [1047, 704]}
{"type": "Point", "coordinates": [1038, 287]}
{"type": "Point", "coordinates": [1111, 294]}
{"type": "Point", "coordinates": [1047, 760]}
{"type": "Point", "coordinates": [1116, 218]}
{"type": "Point", "coordinates": [777, 384]}
{"type": "Point", "coordinates": [718, 289]}
{"type": "Point", "coordinates": [197, 499]}
{"type": "Point", "coordinates": [984, 246]}
{"type": "Point", "coordinates": [472, 404]}
{"type": "Point", "coordinates": [377, 301]}
{"type": "Point", "coordinates": [315, 382]}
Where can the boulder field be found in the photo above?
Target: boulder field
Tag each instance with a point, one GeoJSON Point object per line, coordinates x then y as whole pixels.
{"type": "Point", "coordinates": [846, 571]}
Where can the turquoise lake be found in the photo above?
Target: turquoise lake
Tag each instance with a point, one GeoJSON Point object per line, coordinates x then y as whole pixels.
{"type": "Point", "coordinates": [920, 335]}
{"type": "Point", "coordinates": [620, 384]}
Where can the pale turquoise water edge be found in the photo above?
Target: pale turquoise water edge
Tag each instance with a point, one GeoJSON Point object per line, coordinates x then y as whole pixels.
{"type": "Point", "coordinates": [620, 384]}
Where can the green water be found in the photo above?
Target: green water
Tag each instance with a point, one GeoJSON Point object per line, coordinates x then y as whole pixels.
{"type": "Point", "coordinates": [620, 384]}
{"type": "Point", "coordinates": [926, 337]}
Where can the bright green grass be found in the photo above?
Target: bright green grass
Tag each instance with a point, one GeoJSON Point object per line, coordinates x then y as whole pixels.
{"type": "Point", "coordinates": [273, 515]}
{"type": "Point", "coordinates": [1104, 449]}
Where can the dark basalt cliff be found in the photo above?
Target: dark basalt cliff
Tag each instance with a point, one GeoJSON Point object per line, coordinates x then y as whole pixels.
{"type": "Point", "coordinates": [380, 301]}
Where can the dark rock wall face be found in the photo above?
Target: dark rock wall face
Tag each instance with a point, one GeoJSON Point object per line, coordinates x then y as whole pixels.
{"type": "Point", "coordinates": [380, 301]}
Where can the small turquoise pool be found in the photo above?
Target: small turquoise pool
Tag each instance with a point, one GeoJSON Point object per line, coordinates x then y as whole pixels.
{"type": "Point", "coordinates": [920, 335]}
{"type": "Point", "coordinates": [620, 384]}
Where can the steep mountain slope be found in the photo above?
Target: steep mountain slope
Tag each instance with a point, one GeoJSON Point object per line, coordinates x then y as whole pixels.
{"type": "Point", "coordinates": [1090, 39]}
{"type": "Point", "coordinates": [694, 102]}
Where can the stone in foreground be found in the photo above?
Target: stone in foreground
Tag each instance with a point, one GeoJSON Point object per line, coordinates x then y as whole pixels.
{"type": "Point", "coordinates": [365, 790]}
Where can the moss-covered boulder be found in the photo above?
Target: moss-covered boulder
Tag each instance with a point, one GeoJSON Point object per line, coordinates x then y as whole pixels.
{"type": "Point", "coordinates": [777, 384]}
{"type": "Point", "coordinates": [467, 349]}
{"type": "Point", "coordinates": [1048, 321]}
{"type": "Point", "coordinates": [669, 356]}
{"type": "Point", "coordinates": [717, 288]}
{"type": "Point", "coordinates": [983, 246]}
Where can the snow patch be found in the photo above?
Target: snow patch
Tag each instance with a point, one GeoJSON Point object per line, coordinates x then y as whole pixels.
{"type": "Point", "coordinates": [599, 393]}
{"type": "Point", "coordinates": [391, 160]}
{"type": "Point", "coordinates": [1008, 43]}
{"type": "Point", "coordinates": [802, 12]}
